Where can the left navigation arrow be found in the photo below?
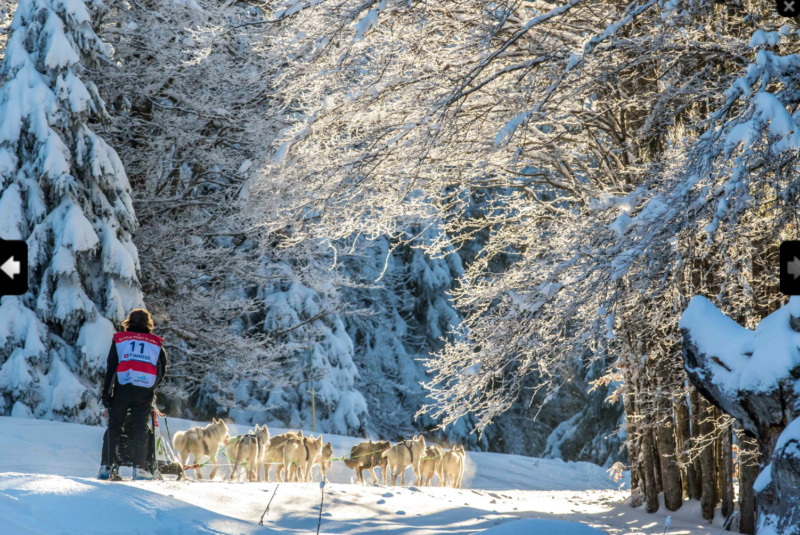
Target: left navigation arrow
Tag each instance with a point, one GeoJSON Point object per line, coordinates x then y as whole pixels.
{"type": "Point", "coordinates": [13, 267]}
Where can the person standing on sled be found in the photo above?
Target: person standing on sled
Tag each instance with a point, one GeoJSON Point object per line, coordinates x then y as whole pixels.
{"type": "Point", "coordinates": [136, 366]}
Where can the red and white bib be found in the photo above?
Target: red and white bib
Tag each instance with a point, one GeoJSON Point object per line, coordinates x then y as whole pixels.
{"type": "Point", "coordinates": [138, 358]}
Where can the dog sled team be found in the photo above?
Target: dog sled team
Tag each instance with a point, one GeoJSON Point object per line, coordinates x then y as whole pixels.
{"type": "Point", "coordinates": [136, 365]}
{"type": "Point", "coordinates": [294, 456]}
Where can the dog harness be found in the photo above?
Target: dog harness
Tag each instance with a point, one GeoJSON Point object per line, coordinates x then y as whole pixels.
{"type": "Point", "coordinates": [138, 358]}
{"type": "Point", "coordinates": [407, 444]}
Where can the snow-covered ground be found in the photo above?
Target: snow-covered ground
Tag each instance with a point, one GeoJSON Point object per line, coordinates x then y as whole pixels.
{"type": "Point", "coordinates": [47, 485]}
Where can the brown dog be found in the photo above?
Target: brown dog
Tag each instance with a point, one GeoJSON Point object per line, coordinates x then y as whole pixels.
{"type": "Point", "coordinates": [273, 454]}
{"type": "Point", "coordinates": [367, 456]}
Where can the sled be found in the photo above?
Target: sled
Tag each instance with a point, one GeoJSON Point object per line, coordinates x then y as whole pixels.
{"type": "Point", "coordinates": [165, 460]}
{"type": "Point", "coordinates": [161, 457]}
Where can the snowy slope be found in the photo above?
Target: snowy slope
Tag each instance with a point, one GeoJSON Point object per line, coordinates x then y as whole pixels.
{"type": "Point", "coordinates": [47, 485]}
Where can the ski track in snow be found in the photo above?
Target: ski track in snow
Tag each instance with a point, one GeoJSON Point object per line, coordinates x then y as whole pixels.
{"type": "Point", "coordinates": [47, 485]}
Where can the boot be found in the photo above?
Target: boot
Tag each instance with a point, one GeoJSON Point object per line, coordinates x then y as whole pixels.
{"type": "Point", "coordinates": [114, 474]}
{"type": "Point", "coordinates": [104, 473]}
{"type": "Point", "coordinates": [142, 474]}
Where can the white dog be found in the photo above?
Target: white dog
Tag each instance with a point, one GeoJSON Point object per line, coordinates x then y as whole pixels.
{"type": "Point", "coordinates": [405, 454]}
{"type": "Point", "coordinates": [202, 442]}
{"type": "Point", "coordinates": [249, 448]}
{"type": "Point", "coordinates": [299, 454]}
{"type": "Point", "coordinates": [453, 466]}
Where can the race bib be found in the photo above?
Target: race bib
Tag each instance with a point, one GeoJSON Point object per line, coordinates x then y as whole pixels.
{"type": "Point", "coordinates": [138, 358]}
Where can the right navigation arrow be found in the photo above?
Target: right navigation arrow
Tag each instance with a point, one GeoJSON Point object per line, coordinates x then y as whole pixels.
{"type": "Point", "coordinates": [793, 267]}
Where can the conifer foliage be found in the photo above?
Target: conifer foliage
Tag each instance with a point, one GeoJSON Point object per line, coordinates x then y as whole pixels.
{"type": "Point", "coordinates": [64, 191]}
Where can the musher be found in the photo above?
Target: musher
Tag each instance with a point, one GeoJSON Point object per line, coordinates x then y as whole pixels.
{"type": "Point", "coordinates": [136, 366]}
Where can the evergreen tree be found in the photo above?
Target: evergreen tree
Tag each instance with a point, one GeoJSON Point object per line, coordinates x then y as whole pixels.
{"type": "Point", "coordinates": [320, 355]}
{"type": "Point", "coordinates": [64, 191]}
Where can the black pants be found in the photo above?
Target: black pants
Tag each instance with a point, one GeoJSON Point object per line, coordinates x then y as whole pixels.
{"type": "Point", "coordinates": [140, 410]}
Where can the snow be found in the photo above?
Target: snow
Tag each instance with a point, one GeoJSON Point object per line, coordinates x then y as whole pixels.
{"type": "Point", "coordinates": [760, 37]}
{"type": "Point", "coordinates": [11, 223]}
{"type": "Point", "coordinates": [94, 340]}
{"type": "Point", "coordinates": [282, 151]}
{"type": "Point", "coordinates": [510, 127]}
{"type": "Point", "coordinates": [47, 485]}
{"type": "Point", "coordinates": [370, 20]}
{"type": "Point", "coordinates": [75, 230]}
{"type": "Point", "coordinates": [551, 527]}
{"type": "Point", "coordinates": [788, 441]}
{"type": "Point", "coordinates": [755, 360]}
{"type": "Point", "coordinates": [60, 53]}
{"type": "Point", "coordinates": [620, 224]}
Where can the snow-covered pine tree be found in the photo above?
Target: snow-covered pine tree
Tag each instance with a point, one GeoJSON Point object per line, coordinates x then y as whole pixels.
{"type": "Point", "coordinates": [402, 313]}
{"type": "Point", "coordinates": [64, 191]}
{"type": "Point", "coordinates": [314, 353]}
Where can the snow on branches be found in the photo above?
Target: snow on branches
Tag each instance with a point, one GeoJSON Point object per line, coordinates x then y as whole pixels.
{"type": "Point", "coordinates": [623, 146]}
{"type": "Point", "coordinates": [65, 192]}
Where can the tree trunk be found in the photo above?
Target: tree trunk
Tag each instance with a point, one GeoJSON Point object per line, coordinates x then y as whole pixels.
{"type": "Point", "coordinates": [726, 472]}
{"type": "Point", "coordinates": [748, 471]}
{"type": "Point", "coordinates": [771, 415]}
{"type": "Point", "coordinates": [650, 484]}
{"type": "Point", "coordinates": [717, 457]}
{"type": "Point", "coordinates": [632, 442]}
{"type": "Point", "coordinates": [707, 501]}
{"type": "Point", "coordinates": [690, 483]}
{"type": "Point", "coordinates": [694, 396]}
{"type": "Point", "coordinates": [670, 472]}
{"type": "Point", "coordinates": [657, 464]}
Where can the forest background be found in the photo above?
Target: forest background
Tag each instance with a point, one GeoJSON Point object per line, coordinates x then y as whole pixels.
{"type": "Point", "coordinates": [477, 219]}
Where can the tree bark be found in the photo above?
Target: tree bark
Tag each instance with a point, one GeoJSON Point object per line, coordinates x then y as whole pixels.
{"type": "Point", "coordinates": [707, 498]}
{"type": "Point", "coordinates": [657, 463]}
{"type": "Point", "coordinates": [670, 471]}
{"type": "Point", "coordinates": [632, 442]}
{"type": "Point", "coordinates": [650, 484]}
{"type": "Point", "coordinates": [726, 472]}
{"type": "Point", "coordinates": [748, 472]}
{"type": "Point", "coordinates": [684, 439]}
{"type": "Point", "coordinates": [717, 456]}
{"type": "Point", "coordinates": [694, 396]}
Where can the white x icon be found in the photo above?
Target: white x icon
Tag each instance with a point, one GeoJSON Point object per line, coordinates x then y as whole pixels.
{"type": "Point", "coordinates": [788, 6]}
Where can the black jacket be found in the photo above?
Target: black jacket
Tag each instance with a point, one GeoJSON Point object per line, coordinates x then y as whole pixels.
{"type": "Point", "coordinates": [112, 385]}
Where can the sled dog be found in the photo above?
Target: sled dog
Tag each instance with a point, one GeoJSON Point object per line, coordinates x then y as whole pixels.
{"type": "Point", "coordinates": [249, 449]}
{"type": "Point", "coordinates": [202, 442]}
{"type": "Point", "coordinates": [274, 453]}
{"type": "Point", "coordinates": [367, 456]}
{"type": "Point", "coordinates": [299, 454]}
{"type": "Point", "coordinates": [402, 455]}
{"type": "Point", "coordinates": [453, 466]}
{"type": "Point", "coordinates": [431, 464]}
{"type": "Point", "coordinates": [323, 462]}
